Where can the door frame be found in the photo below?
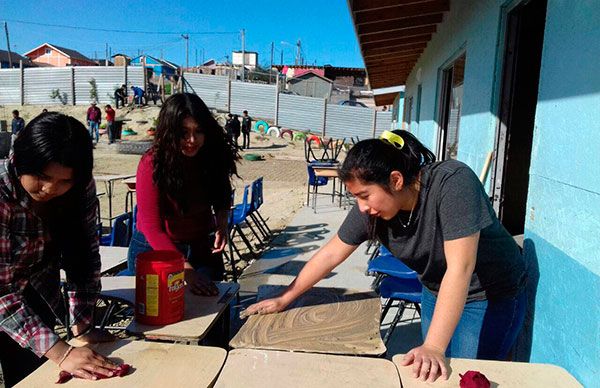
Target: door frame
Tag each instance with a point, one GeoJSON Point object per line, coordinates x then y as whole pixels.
{"type": "Point", "coordinates": [441, 92]}
{"type": "Point", "coordinates": [497, 172]}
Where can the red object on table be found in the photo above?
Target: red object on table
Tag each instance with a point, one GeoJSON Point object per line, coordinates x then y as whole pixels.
{"type": "Point", "coordinates": [159, 287]}
{"type": "Point", "coordinates": [474, 379]}
{"type": "Point", "coordinates": [121, 371]}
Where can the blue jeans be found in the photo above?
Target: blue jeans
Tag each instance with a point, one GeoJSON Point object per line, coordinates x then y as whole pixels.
{"type": "Point", "coordinates": [487, 329]}
{"type": "Point", "coordinates": [203, 260]}
{"type": "Point", "coordinates": [94, 130]}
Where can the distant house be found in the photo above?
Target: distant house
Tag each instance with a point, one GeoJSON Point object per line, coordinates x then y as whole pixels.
{"type": "Point", "coordinates": [250, 62]}
{"type": "Point", "coordinates": [310, 84]}
{"type": "Point", "coordinates": [53, 55]}
{"type": "Point", "coordinates": [157, 66]}
{"type": "Point", "coordinates": [102, 62]}
{"type": "Point", "coordinates": [349, 76]}
{"type": "Point", "coordinates": [121, 59]}
{"type": "Point", "coordinates": [15, 58]}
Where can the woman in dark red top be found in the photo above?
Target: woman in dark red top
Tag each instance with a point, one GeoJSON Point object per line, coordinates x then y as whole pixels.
{"type": "Point", "coordinates": [184, 191]}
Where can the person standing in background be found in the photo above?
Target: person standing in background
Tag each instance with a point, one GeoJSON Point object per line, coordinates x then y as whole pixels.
{"type": "Point", "coordinates": [17, 126]}
{"type": "Point", "coordinates": [94, 117]}
{"type": "Point", "coordinates": [246, 126]}
{"type": "Point", "coordinates": [110, 123]}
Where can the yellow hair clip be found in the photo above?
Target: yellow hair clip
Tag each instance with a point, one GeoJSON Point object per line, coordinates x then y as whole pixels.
{"type": "Point", "coordinates": [395, 140]}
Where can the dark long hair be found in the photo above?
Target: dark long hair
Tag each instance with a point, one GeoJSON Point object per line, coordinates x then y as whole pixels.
{"type": "Point", "coordinates": [217, 157]}
{"type": "Point", "coordinates": [55, 137]}
{"type": "Point", "coordinates": [373, 160]}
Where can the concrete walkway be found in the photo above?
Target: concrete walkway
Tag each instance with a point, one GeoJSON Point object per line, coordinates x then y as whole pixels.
{"type": "Point", "coordinates": [290, 251]}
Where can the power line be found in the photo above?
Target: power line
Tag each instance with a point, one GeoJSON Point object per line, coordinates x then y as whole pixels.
{"type": "Point", "coordinates": [125, 31]}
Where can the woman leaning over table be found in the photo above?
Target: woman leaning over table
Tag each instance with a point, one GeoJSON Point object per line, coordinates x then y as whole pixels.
{"type": "Point", "coordinates": [436, 217]}
{"type": "Point", "coordinates": [48, 211]}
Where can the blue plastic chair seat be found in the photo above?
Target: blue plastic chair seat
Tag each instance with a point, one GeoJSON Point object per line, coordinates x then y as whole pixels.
{"type": "Point", "coordinates": [401, 289]}
{"type": "Point", "coordinates": [238, 214]}
{"type": "Point", "coordinates": [390, 265]}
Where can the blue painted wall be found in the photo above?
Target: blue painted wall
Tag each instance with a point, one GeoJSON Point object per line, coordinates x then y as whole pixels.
{"type": "Point", "coordinates": [563, 223]}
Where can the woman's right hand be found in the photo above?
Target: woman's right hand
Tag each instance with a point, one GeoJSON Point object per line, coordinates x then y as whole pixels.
{"type": "Point", "coordinates": [267, 306]}
{"type": "Point", "coordinates": [83, 362]}
{"type": "Point", "coordinates": [199, 283]}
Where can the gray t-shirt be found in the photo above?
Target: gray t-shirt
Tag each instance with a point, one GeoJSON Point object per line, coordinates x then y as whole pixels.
{"type": "Point", "coordinates": [452, 204]}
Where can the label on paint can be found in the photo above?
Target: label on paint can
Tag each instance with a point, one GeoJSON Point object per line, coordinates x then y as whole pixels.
{"type": "Point", "coordinates": [152, 295]}
{"type": "Point", "coordinates": [175, 281]}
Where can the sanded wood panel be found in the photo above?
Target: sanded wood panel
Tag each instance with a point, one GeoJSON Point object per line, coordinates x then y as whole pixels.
{"type": "Point", "coordinates": [154, 365]}
{"type": "Point", "coordinates": [201, 312]}
{"type": "Point", "coordinates": [323, 320]}
{"type": "Point", "coordinates": [253, 368]}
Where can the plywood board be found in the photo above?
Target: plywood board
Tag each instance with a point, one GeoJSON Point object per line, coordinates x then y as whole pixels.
{"type": "Point", "coordinates": [112, 257]}
{"type": "Point", "coordinates": [154, 365]}
{"type": "Point", "coordinates": [499, 373]}
{"type": "Point", "coordinates": [201, 312]}
{"type": "Point", "coordinates": [323, 320]}
{"type": "Point", "coordinates": [252, 368]}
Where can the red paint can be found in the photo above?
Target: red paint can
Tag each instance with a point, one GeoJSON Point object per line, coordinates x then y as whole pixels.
{"type": "Point", "coordinates": [159, 287]}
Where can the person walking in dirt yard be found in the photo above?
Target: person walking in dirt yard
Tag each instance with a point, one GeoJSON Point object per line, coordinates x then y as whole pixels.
{"type": "Point", "coordinates": [17, 126]}
{"type": "Point", "coordinates": [94, 117]}
{"type": "Point", "coordinates": [110, 123]}
{"type": "Point", "coordinates": [246, 127]}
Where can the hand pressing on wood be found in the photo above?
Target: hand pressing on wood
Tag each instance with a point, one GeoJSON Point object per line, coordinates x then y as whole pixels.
{"type": "Point", "coordinates": [199, 283]}
{"type": "Point", "coordinates": [428, 363]}
{"type": "Point", "coordinates": [82, 362]}
{"type": "Point", "coordinates": [267, 306]}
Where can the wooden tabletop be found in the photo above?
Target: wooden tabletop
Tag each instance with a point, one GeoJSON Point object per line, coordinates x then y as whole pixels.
{"type": "Point", "coordinates": [252, 368]}
{"type": "Point", "coordinates": [499, 373]}
{"type": "Point", "coordinates": [323, 320]}
{"type": "Point", "coordinates": [154, 365]}
{"type": "Point", "coordinates": [130, 182]}
{"type": "Point", "coordinates": [109, 177]}
{"type": "Point", "coordinates": [112, 257]}
{"type": "Point", "coordinates": [330, 172]}
{"type": "Point", "coordinates": [201, 312]}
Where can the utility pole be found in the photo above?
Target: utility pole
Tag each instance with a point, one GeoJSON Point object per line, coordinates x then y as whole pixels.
{"type": "Point", "coordinates": [8, 46]}
{"type": "Point", "coordinates": [271, 68]}
{"type": "Point", "coordinates": [187, 49]}
{"type": "Point", "coordinates": [243, 76]}
{"type": "Point", "coordinates": [281, 60]}
{"type": "Point", "coordinates": [298, 53]}
{"type": "Point", "coordinates": [196, 56]}
{"type": "Point", "coordinates": [161, 54]}
{"type": "Point", "coordinates": [106, 54]}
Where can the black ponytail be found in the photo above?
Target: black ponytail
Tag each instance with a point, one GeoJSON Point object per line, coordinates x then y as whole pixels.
{"type": "Point", "coordinates": [373, 160]}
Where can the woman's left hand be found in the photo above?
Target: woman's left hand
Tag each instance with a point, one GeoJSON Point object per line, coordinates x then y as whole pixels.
{"type": "Point", "coordinates": [428, 363]}
{"type": "Point", "coordinates": [220, 240]}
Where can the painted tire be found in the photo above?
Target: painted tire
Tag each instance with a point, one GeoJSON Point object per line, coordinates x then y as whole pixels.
{"type": "Point", "coordinates": [285, 131]}
{"type": "Point", "coordinates": [299, 136]}
{"type": "Point", "coordinates": [274, 131]}
{"type": "Point", "coordinates": [261, 124]}
{"type": "Point", "coordinates": [314, 138]}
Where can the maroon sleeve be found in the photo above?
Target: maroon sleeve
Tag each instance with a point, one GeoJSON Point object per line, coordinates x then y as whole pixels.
{"type": "Point", "coordinates": [149, 220]}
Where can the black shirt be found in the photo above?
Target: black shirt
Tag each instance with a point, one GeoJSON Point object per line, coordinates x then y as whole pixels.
{"type": "Point", "coordinates": [452, 204]}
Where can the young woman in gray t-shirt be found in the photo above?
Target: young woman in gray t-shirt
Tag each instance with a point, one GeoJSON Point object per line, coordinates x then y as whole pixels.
{"type": "Point", "coordinates": [437, 218]}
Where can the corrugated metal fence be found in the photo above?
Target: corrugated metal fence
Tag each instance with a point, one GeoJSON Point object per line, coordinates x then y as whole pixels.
{"type": "Point", "coordinates": [10, 87]}
{"type": "Point", "coordinates": [71, 85]}
{"type": "Point", "coordinates": [64, 85]}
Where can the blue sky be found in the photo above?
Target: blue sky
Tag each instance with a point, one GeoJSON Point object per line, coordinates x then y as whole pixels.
{"type": "Point", "coordinates": [324, 28]}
